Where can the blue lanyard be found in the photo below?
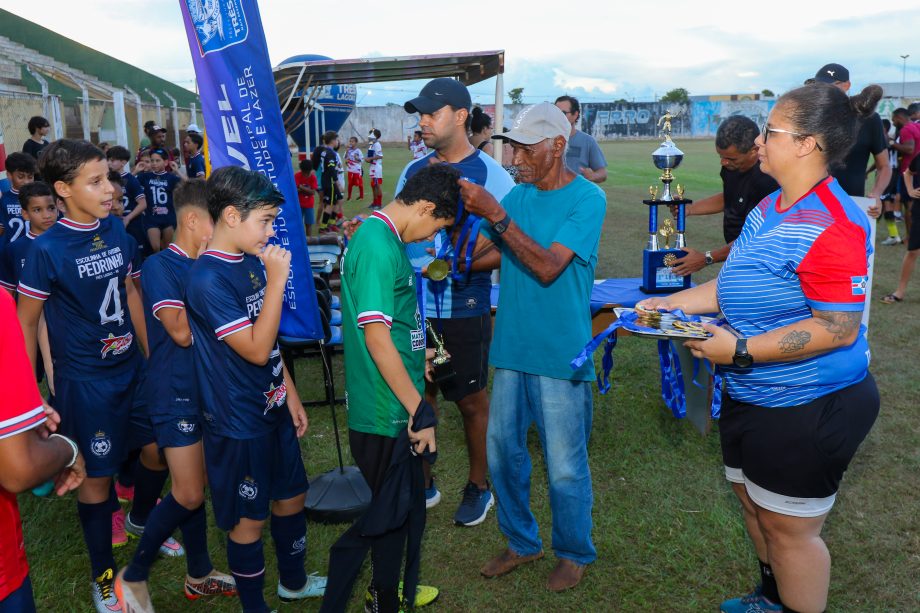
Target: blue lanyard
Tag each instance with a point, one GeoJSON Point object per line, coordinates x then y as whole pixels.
{"type": "Point", "coordinates": [420, 299]}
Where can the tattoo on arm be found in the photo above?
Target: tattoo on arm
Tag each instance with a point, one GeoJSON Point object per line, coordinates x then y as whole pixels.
{"type": "Point", "coordinates": [841, 324]}
{"type": "Point", "coordinates": [794, 342]}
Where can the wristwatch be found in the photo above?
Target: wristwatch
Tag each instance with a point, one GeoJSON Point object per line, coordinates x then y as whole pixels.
{"type": "Point", "coordinates": [500, 226]}
{"type": "Point", "coordinates": [742, 359]}
{"type": "Point", "coordinates": [708, 258]}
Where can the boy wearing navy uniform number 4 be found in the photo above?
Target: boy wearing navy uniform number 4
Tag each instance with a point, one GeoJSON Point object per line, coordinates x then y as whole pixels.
{"type": "Point", "coordinates": [252, 414]}
{"type": "Point", "coordinates": [171, 394]}
{"type": "Point", "coordinates": [80, 274]}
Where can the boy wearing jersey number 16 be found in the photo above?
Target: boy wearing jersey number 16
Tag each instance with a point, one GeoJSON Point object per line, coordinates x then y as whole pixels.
{"type": "Point", "coordinates": [80, 273]}
{"type": "Point", "coordinates": [252, 415]}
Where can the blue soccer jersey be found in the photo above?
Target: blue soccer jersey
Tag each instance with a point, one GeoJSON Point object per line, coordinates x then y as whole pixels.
{"type": "Point", "coordinates": [194, 167]}
{"type": "Point", "coordinates": [158, 189]}
{"type": "Point", "coordinates": [14, 225]}
{"type": "Point", "coordinates": [132, 193]}
{"type": "Point", "coordinates": [171, 390]}
{"type": "Point", "coordinates": [224, 295]}
{"type": "Point", "coordinates": [79, 270]}
{"type": "Point", "coordinates": [470, 296]}
{"type": "Point", "coordinates": [813, 255]}
{"type": "Point", "coordinates": [12, 259]}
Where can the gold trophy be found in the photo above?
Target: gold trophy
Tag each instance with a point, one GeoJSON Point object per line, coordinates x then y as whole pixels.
{"type": "Point", "coordinates": [443, 369]}
{"type": "Point", "coordinates": [666, 232]}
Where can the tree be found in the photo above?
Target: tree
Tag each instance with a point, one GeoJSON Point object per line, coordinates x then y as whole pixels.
{"type": "Point", "coordinates": [516, 95]}
{"type": "Point", "coordinates": [676, 96]}
{"type": "Point", "coordinates": [767, 93]}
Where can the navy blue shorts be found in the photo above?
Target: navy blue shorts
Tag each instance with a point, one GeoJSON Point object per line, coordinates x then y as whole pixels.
{"type": "Point", "coordinates": [245, 475]}
{"type": "Point", "coordinates": [160, 221]}
{"type": "Point", "coordinates": [177, 431]}
{"type": "Point", "coordinates": [103, 417]}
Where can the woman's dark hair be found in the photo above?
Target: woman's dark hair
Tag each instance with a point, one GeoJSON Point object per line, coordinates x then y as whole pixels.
{"type": "Point", "coordinates": [35, 189]}
{"type": "Point", "coordinates": [436, 183]}
{"type": "Point", "coordinates": [193, 192]}
{"type": "Point", "coordinates": [63, 159]}
{"type": "Point", "coordinates": [738, 131]}
{"type": "Point", "coordinates": [245, 190]}
{"type": "Point", "coordinates": [480, 120]}
{"type": "Point", "coordinates": [827, 113]}
{"type": "Point", "coordinates": [22, 162]}
{"type": "Point", "coordinates": [196, 138]}
{"type": "Point", "coordinates": [306, 166]}
{"type": "Point", "coordinates": [36, 123]}
{"type": "Point", "coordinates": [118, 153]}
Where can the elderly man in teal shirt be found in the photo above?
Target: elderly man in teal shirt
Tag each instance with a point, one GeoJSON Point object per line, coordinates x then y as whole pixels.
{"type": "Point", "coordinates": [547, 229]}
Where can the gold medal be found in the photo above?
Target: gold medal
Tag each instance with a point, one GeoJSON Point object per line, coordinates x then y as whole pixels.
{"type": "Point", "coordinates": [438, 270]}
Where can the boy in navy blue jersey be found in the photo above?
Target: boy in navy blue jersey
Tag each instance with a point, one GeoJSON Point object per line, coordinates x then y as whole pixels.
{"type": "Point", "coordinates": [172, 402]}
{"type": "Point", "coordinates": [134, 200]}
{"type": "Point", "coordinates": [20, 168]}
{"type": "Point", "coordinates": [252, 414]}
{"type": "Point", "coordinates": [194, 158]}
{"type": "Point", "coordinates": [80, 272]}
{"type": "Point", "coordinates": [160, 216]}
{"type": "Point", "coordinates": [40, 213]}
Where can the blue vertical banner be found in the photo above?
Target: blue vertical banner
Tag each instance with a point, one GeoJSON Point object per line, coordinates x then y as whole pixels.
{"type": "Point", "coordinates": [243, 127]}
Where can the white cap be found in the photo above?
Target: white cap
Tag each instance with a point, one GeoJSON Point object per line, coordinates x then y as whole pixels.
{"type": "Point", "coordinates": [193, 127]}
{"type": "Point", "coordinates": [537, 123]}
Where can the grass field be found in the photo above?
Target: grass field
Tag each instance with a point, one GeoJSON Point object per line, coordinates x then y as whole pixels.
{"type": "Point", "coordinates": [667, 529]}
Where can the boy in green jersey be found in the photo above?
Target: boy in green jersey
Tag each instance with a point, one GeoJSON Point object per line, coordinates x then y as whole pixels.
{"type": "Point", "coordinates": [390, 425]}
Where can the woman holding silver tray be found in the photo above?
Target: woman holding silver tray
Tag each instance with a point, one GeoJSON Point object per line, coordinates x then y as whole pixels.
{"type": "Point", "coordinates": [799, 398]}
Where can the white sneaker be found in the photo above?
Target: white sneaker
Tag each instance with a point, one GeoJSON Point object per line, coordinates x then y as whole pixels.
{"type": "Point", "coordinates": [892, 240]}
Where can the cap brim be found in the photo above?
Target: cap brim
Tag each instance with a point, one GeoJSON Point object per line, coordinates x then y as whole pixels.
{"type": "Point", "coordinates": [518, 136]}
{"type": "Point", "coordinates": [423, 105]}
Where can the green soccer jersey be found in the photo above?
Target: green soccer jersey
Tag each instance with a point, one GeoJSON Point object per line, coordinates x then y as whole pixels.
{"type": "Point", "coordinates": [379, 286]}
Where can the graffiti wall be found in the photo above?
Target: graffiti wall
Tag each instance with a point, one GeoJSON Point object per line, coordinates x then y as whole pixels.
{"type": "Point", "coordinates": [612, 120]}
{"type": "Point", "coordinates": [705, 116]}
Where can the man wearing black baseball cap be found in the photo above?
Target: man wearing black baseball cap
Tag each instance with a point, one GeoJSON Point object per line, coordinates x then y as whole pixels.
{"type": "Point", "coordinates": [459, 309]}
{"type": "Point", "coordinates": [871, 142]}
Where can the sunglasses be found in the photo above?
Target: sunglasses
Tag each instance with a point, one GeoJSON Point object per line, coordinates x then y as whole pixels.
{"type": "Point", "coordinates": [765, 134]}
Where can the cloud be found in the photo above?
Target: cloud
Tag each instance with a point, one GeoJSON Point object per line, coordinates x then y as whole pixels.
{"type": "Point", "coordinates": [589, 84]}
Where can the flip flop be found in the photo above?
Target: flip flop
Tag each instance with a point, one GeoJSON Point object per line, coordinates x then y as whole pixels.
{"type": "Point", "coordinates": [891, 299]}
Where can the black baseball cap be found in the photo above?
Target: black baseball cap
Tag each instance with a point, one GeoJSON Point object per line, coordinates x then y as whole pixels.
{"type": "Point", "coordinates": [437, 94]}
{"type": "Point", "coordinates": [832, 73]}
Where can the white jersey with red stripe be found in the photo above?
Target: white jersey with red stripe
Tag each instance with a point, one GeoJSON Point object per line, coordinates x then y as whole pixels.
{"type": "Point", "coordinates": [353, 160]}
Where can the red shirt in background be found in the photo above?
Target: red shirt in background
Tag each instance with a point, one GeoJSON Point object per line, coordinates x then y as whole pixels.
{"type": "Point", "coordinates": [306, 202]}
{"type": "Point", "coordinates": [910, 132]}
{"type": "Point", "coordinates": [20, 411]}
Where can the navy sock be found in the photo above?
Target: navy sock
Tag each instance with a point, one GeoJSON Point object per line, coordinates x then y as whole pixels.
{"type": "Point", "coordinates": [127, 468]}
{"type": "Point", "coordinates": [247, 564]}
{"type": "Point", "coordinates": [195, 537]}
{"type": "Point", "coordinates": [290, 535]}
{"type": "Point", "coordinates": [96, 521]}
{"type": "Point", "coordinates": [160, 525]}
{"type": "Point", "coordinates": [768, 585]}
{"type": "Point", "coordinates": [148, 484]}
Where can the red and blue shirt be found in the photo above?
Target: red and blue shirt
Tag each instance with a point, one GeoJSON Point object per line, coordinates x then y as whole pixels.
{"type": "Point", "coordinates": [813, 255]}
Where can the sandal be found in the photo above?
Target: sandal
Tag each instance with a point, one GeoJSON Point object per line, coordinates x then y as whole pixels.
{"type": "Point", "coordinates": [891, 299]}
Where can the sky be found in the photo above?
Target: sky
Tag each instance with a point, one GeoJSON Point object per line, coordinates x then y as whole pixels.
{"type": "Point", "coordinates": [614, 50]}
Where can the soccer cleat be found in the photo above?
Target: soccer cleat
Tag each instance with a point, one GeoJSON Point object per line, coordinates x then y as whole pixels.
{"type": "Point", "coordinates": [751, 603]}
{"type": "Point", "coordinates": [424, 596]}
{"type": "Point", "coordinates": [170, 548]}
{"type": "Point", "coordinates": [133, 597]}
{"type": "Point", "coordinates": [125, 493]}
{"type": "Point", "coordinates": [432, 495]}
{"type": "Point", "coordinates": [893, 240]}
{"type": "Point", "coordinates": [475, 505]}
{"type": "Point", "coordinates": [315, 587]}
{"type": "Point", "coordinates": [119, 538]}
{"type": "Point", "coordinates": [104, 598]}
{"type": "Point", "coordinates": [214, 584]}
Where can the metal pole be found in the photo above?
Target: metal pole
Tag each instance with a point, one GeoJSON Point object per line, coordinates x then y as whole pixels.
{"type": "Point", "coordinates": [499, 115]}
{"type": "Point", "coordinates": [85, 114]}
{"type": "Point", "coordinates": [140, 114]}
{"type": "Point", "coordinates": [175, 117]}
{"type": "Point", "coordinates": [194, 110]}
{"type": "Point", "coordinates": [121, 120]}
{"type": "Point", "coordinates": [44, 86]}
{"type": "Point", "coordinates": [159, 108]}
{"type": "Point", "coordinates": [904, 74]}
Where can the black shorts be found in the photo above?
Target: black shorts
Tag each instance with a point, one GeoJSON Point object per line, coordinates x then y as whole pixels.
{"type": "Point", "coordinates": [467, 340]}
{"type": "Point", "coordinates": [791, 459]}
{"type": "Point", "coordinates": [913, 241]}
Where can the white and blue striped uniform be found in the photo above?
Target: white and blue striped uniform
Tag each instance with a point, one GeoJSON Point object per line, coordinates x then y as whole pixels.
{"type": "Point", "coordinates": [814, 255]}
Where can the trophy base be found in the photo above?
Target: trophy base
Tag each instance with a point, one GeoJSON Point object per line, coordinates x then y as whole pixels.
{"type": "Point", "coordinates": [657, 277]}
{"type": "Point", "coordinates": [443, 372]}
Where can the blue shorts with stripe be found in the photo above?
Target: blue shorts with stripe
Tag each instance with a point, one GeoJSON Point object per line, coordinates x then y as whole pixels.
{"type": "Point", "coordinates": [105, 417]}
{"type": "Point", "coordinates": [245, 475]}
{"type": "Point", "coordinates": [177, 431]}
